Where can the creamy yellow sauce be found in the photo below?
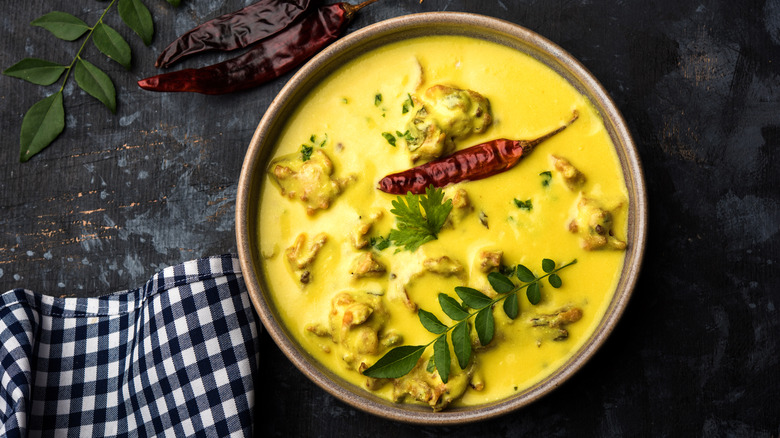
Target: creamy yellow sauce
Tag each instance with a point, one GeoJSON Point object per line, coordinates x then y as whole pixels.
{"type": "Point", "coordinates": [527, 99]}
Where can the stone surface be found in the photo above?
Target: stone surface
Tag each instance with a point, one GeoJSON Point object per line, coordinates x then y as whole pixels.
{"type": "Point", "coordinates": [119, 196]}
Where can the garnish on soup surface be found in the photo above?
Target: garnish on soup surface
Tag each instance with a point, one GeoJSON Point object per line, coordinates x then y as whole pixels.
{"type": "Point", "coordinates": [437, 296]}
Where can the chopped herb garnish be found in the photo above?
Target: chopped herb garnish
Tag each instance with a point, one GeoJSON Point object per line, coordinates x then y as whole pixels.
{"type": "Point", "coordinates": [306, 151]}
{"type": "Point", "coordinates": [380, 243]}
{"type": "Point", "coordinates": [524, 205]}
{"type": "Point", "coordinates": [546, 178]}
{"type": "Point", "coordinates": [401, 360]}
{"type": "Point", "coordinates": [389, 137]}
{"type": "Point", "coordinates": [408, 104]}
{"type": "Point", "coordinates": [419, 218]}
{"type": "Point", "coordinates": [405, 135]}
{"type": "Point", "coordinates": [344, 100]}
{"type": "Point", "coordinates": [377, 99]}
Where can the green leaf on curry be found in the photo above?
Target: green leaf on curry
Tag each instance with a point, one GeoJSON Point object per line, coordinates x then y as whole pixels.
{"type": "Point", "coordinates": [548, 265]}
{"type": "Point", "coordinates": [37, 71]}
{"type": "Point", "coordinates": [511, 306]}
{"type": "Point", "coordinates": [452, 308]}
{"type": "Point", "coordinates": [430, 322]}
{"type": "Point", "coordinates": [62, 25]}
{"type": "Point", "coordinates": [111, 44]}
{"type": "Point", "coordinates": [500, 282]}
{"type": "Point", "coordinates": [96, 83]}
{"type": "Point", "coordinates": [524, 274]}
{"type": "Point", "coordinates": [533, 293]}
{"type": "Point", "coordinates": [137, 17]}
{"type": "Point", "coordinates": [472, 297]}
{"type": "Point", "coordinates": [461, 343]}
{"type": "Point", "coordinates": [441, 357]}
{"type": "Point", "coordinates": [485, 325]}
{"type": "Point", "coordinates": [43, 122]}
{"type": "Point", "coordinates": [396, 363]}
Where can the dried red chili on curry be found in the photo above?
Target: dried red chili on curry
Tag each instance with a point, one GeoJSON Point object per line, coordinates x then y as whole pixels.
{"type": "Point", "coordinates": [470, 164]}
{"type": "Point", "coordinates": [265, 61]}
{"type": "Point", "coordinates": [235, 30]}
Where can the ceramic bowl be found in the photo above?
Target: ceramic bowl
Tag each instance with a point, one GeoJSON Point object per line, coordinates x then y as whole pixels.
{"type": "Point", "coordinates": [372, 37]}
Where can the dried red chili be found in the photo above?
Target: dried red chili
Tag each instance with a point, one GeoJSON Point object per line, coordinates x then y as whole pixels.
{"type": "Point", "coordinates": [235, 30]}
{"type": "Point", "coordinates": [267, 60]}
{"type": "Point", "coordinates": [470, 164]}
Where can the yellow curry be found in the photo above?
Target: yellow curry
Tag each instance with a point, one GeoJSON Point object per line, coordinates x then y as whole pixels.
{"type": "Point", "coordinates": [348, 294]}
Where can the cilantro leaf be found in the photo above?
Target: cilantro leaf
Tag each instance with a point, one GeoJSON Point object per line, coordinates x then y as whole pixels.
{"type": "Point", "coordinates": [419, 218]}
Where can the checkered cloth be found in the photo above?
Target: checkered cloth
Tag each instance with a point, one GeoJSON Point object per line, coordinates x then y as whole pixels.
{"type": "Point", "coordinates": [173, 358]}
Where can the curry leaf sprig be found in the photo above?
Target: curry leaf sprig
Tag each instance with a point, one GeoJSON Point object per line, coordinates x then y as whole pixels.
{"type": "Point", "coordinates": [401, 360]}
{"type": "Point", "coordinates": [45, 120]}
{"type": "Point", "coordinates": [419, 218]}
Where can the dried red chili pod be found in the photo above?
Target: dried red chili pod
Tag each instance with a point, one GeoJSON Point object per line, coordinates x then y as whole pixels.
{"type": "Point", "coordinates": [235, 30]}
{"type": "Point", "coordinates": [267, 60]}
{"type": "Point", "coordinates": [470, 164]}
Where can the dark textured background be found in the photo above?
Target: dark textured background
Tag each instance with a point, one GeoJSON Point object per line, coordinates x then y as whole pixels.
{"type": "Point", "coordinates": [118, 197]}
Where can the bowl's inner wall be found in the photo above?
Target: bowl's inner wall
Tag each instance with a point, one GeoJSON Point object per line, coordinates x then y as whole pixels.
{"type": "Point", "coordinates": [365, 40]}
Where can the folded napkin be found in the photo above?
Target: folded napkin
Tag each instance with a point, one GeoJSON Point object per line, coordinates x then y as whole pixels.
{"type": "Point", "coordinates": [173, 358]}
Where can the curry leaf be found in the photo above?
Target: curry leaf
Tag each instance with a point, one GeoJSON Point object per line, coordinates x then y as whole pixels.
{"type": "Point", "coordinates": [96, 83]}
{"type": "Point", "coordinates": [555, 280]}
{"type": "Point", "coordinates": [548, 265]}
{"type": "Point", "coordinates": [472, 297]}
{"type": "Point", "coordinates": [484, 324]}
{"type": "Point", "coordinates": [441, 357]}
{"type": "Point", "coordinates": [62, 25]}
{"type": "Point", "coordinates": [397, 362]}
{"type": "Point", "coordinates": [452, 308]}
{"type": "Point", "coordinates": [524, 274]}
{"type": "Point", "coordinates": [43, 122]}
{"type": "Point", "coordinates": [461, 343]}
{"type": "Point", "coordinates": [500, 282]}
{"type": "Point", "coordinates": [37, 71]}
{"type": "Point", "coordinates": [511, 307]}
{"type": "Point", "coordinates": [533, 293]}
{"type": "Point", "coordinates": [137, 17]}
{"type": "Point", "coordinates": [111, 44]}
{"type": "Point", "coordinates": [430, 322]}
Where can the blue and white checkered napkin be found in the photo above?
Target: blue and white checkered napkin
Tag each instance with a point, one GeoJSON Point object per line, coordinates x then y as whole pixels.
{"type": "Point", "coordinates": [175, 358]}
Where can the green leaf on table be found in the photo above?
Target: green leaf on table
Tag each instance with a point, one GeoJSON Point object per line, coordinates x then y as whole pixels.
{"type": "Point", "coordinates": [137, 17]}
{"type": "Point", "coordinates": [485, 325]}
{"type": "Point", "coordinates": [37, 71]}
{"type": "Point", "coordinates": [62, 25]}
{"type": "Point", "coordinates": [43, 122]}
{"type": "Point", "coordinates": [431, 322]}
{"type": "Point", "coordinates": [461, 343]}
{"type": "Point", "coordinates": [174, 3]}
{"type": "Point", "coordinates": [397, 362]}
{"type": "Point", "coordinates": [533, 293]}
{"type": "Point", "coordinates": [548, 265]}
{"type": "Point", "coordinates": [524, 274]}
{"type": "Point", "coordinates": [452, 308]}
{"type": "Point", "coordinates": [511, 307]}
{"type": "Point", "coordinates": [111, 44]}
{"type": "Point", "coordinates": [96, 83]}
{"type": "Point", "coordinates": [472, 297]}
{"type": "Point", "coordinates": [441, 357]}
{"type": "Point", "coordinates": [500, 282]}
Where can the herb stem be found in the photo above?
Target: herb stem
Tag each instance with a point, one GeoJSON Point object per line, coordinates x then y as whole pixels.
{"type": "Point", "coordinates": [83, 44]}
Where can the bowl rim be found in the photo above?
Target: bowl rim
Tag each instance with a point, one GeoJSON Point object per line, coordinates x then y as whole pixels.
{"type": "Point", "coordinates": [493, 28]}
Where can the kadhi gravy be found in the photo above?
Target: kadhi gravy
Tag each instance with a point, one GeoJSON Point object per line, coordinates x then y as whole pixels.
{"type": "Point", "coordinates": [348, 300]}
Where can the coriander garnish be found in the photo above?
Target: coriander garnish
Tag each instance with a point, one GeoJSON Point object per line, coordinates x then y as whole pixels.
{"type": "Point", "coordinates": [401, 360]}
{"type": "Point", "coordinates": [524, 205]}
{"type": "Point", "coordinates": [389, 137]}
{"type": "Point", "coordinates": [546, 178]}
{"type": "Point", "coordinates": [419, 217]}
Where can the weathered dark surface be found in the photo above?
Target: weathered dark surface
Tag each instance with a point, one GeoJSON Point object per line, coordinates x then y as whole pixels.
{"type": "Point", "coordinates": [117, 197]}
